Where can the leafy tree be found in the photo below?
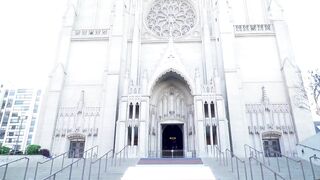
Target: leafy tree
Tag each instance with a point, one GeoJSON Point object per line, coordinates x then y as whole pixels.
{"type": "Point", "coordinates": [33, 149]}
{"type": "Point", "coordinates": [4, 150]}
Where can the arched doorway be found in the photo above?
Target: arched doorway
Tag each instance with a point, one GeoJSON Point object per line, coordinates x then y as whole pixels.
{"type": "Point", "coordinates": [171, 116]}
{"type": "Point", "coordinates": [172, 140]}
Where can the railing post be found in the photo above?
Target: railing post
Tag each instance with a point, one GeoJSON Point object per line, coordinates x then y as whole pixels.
{"type": "Point", "coordinates": [70, 172]}
{"type": "Point", "coordinates": [25, 172]}
{"type": "Point", "coordinates": [278, 163]}
{"type": "Point", "coordinates": [106, 165]}
{"type": "Point", "coordinates": [237, 169]}
{"type": "Point", "coordinates": [226, 157]}
{"type": "Point", "coordinates": [36, 171]}
{"type": "Point", "coordinates": [90, 165]}
{"type": "Point", "coordinates": [304, 176]}
{"type": "Point", "coordinates": [312, 168]}
{"type": "Point", "coordinates": [261, 170]}
{"type": "Point", "coordinates": [288, 166]}
{"type": "Point", "coordinates": [51, 166]}
{"type": "Point", "coordinates": [99, 169]}
{"type": "Point", "coordinates": [231, 163]}
{"type": "Point", "coordinates": [245, 170]}
{"type": "Point", "coordinates": [5, 171]}
{"type": "Point", "coordinates": [250, 166]}
{"type": "Point", "coordinates": [62, 161]}
{"type": "Point", "coordinates": [83, 168]}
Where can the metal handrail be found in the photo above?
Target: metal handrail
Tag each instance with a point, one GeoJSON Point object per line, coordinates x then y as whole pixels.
{"type": "Point", "coordinates": [99, 159]}
{"type": "Point", "coordinates": [276, 175]}
{"type": "Point", "coordinates": [51, 166]}
{"type": "Point", "coordinates": [220, 153]}
{"type": "Point", "coordinates": [314, 149]}
{"type": "Point", "coordinates": [255, 151]}
{"type": "Point", "coordinates": [120, 152]}
{"type": "Point", "coordinates": [278, 154]}
{"type": "Point", "coordinates": [62, 163]}
{"type": "Point", "coordinates": [70, 171]}
{"type": "Point", "coordinates": [159, 153]}
{"type": "Point", "coordinates": [7, 164]}
{"type": "Point", "coordinates": [232, 155]}
{"type": "Point", "coordinates": [311, 164]}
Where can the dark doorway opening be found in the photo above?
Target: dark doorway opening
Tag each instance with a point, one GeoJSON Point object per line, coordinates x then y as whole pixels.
{"type": "Point", "coordinates": [76, 149]}
{"type": "Point", "coordinates": [271, 147]}
{"type": "Point", "coordinates": [172, 140]}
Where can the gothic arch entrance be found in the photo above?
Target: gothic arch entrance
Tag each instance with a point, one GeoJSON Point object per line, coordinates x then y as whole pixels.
{"type": "Point", "coordinates": [171, 126]}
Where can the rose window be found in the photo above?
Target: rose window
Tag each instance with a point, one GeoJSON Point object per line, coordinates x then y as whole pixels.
{"type": "Point", "coordinates": [171, 18]}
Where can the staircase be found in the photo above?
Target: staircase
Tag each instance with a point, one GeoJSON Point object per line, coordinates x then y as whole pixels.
{"type": "Point", "coordinates": [220, 167]}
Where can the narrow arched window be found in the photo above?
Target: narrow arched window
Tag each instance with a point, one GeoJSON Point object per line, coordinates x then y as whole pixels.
{"type": "Point", "coordinates": [214, 135]}
{"type": "Point", "coordinates": [135, 137]}
{"type": "Point", "coordinates": [137, 111]}
{"type": "Point", "coordinates": [130, 111]}
{"type": "Point", "coordinates": [206, 110]}
{"type": "Point", "coordinates": [129, 135]}
{"type": "Point", "coordinates": [212, 110]}
{"type": "Point", "coordinates": [208, 135]}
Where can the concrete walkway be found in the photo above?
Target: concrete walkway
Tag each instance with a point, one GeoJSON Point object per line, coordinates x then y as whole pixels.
{"type": "Point", "coordinates": [168, 172]}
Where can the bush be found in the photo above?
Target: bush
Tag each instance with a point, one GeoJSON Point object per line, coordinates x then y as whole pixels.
{"type": "Point", "coordinates": [33, 149]}
{"type": "Point", "coordinates": [4, 150]}
{"type": "Point", "coordinates": [45, 152]}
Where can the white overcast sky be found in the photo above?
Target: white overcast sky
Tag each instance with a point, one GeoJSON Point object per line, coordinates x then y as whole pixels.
{"type": "Point", "coordinates": [29, 31]}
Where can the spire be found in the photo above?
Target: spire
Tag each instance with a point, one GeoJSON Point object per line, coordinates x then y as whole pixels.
{"type": "Point", "coordinates": [265, 99]}
{"type": "Point", "coordinates": [80, 105]}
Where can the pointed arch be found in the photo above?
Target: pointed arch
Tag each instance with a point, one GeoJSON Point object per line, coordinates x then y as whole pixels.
{"type": "Point", "coordinates": [157, 77]}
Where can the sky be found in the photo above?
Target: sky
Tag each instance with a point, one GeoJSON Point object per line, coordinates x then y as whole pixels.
{"type": "Point", "coordinates": [29, 34]}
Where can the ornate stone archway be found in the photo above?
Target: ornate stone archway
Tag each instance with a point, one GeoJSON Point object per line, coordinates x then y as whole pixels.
{"type": "Point", "coordinates": [171, 102]}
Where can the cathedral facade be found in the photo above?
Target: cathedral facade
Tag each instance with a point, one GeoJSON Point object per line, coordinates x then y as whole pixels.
{"type": "Point", "coordinates": [174, 78]}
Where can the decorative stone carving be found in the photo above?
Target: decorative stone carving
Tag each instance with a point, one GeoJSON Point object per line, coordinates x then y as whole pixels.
{"type": "Point", "coordinates": [168, 18]}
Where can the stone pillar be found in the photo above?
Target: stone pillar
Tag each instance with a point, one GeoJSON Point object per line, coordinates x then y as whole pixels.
{"type": "Point", "coordinates": [200, 131]}
{"type": "Point", "coordinates": [117, 51]}
{"type": "Point", "coordinates": [232, 89]}
{"type": "Point", "coordinates": [143, 129]}
{"type": "Point", "coordinates": [52, 98]}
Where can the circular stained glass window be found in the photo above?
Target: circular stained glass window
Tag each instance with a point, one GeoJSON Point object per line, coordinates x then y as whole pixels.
{"type": "Point", "coordinates": [171, 18]}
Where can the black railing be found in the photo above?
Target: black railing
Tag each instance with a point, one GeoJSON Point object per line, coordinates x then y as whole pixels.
{"type": "Point", "coordinates": [237, 159]}
{"type": "Point", "coordinates": [54, 175]}
{"type": "Point", "coordinates": [312, 167]}
{"type": "Point", "coordinates": [99, 160]}
{"type": "Point", "coordinates": [288, 160]}
{"type": "Point", "coordinates": [7, 164]}
{"type": "Point", "coordinates": [64, 155]}
{"type": "Point", "coordinates": [263, 165]}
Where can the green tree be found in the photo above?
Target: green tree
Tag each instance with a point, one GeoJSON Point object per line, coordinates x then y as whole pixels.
{"type": "Point", "coordinates": [33, 149]}
{"type": "Point", "coordinates": [4, 150]}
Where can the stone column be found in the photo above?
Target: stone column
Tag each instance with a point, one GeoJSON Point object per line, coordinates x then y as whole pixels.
{"type": "Point", "coordinates": [232, 88]}
{"type": "Point", "coordinates": [117, 53]}
{"type": "Point", "coordinates": [52, 98]}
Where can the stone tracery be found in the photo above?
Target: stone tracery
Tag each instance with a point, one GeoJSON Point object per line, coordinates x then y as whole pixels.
{"type": "Point", "coordinates": [171, 18]}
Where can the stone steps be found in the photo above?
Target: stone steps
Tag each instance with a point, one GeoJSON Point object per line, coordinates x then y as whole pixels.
{"type": "Point", "coordinates": [221, 170]}
{"type": "Point", "coordinates": [16, 171]}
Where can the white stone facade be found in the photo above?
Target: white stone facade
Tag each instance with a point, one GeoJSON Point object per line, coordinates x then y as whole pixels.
{"type": "Point", "coordinates": [222, 72]}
